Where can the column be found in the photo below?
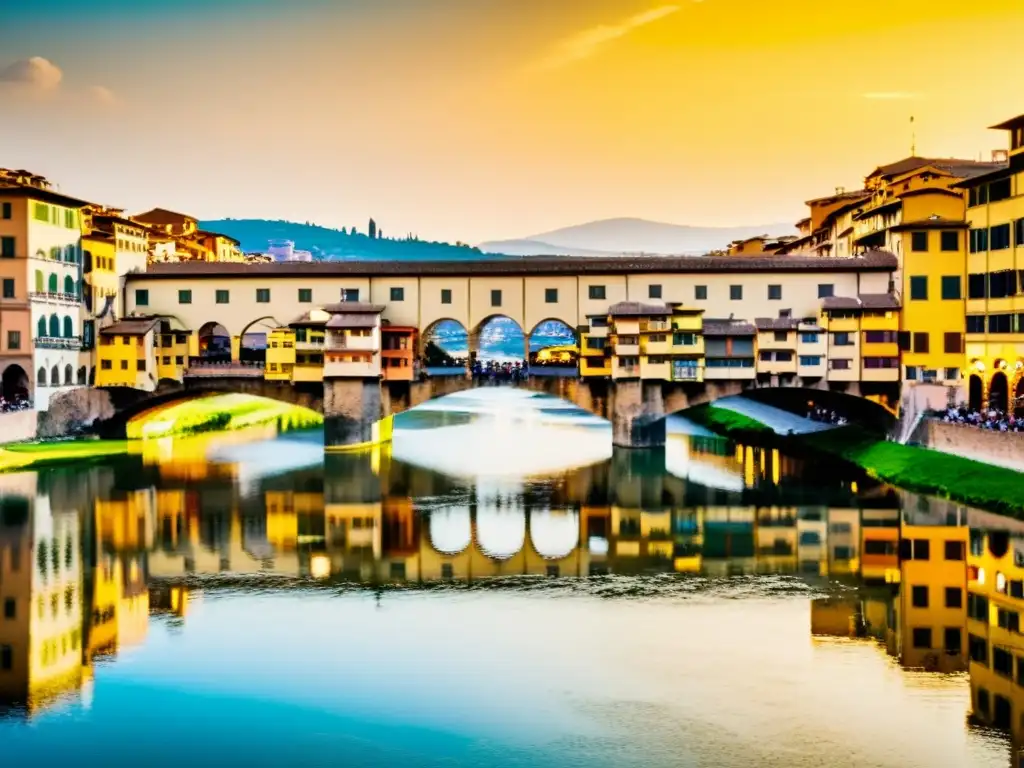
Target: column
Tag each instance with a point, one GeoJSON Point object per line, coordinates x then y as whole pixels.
{"type": "Point", "coordinates": [351, 409]}
{"type": "Point", "coordinates": [637, 411]}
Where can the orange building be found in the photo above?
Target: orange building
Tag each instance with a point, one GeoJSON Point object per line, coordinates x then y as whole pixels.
{"type": "Point", "coordinates": [398, 352]}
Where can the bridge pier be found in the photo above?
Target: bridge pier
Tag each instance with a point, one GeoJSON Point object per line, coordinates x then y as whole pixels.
{"type": "Point", "coordinates": [637, 413]}
{"type": "Point", "coordinates": [351, 409]}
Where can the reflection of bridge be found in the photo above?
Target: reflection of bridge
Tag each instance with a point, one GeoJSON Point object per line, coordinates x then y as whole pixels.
{"type": "Point", "coordinates": [355, 361]}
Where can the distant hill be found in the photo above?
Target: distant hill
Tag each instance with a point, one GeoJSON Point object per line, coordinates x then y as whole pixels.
{"type": "Point", "coordinates": [633, 236]}
{"type": "Point", "coordinates": [329, 244]}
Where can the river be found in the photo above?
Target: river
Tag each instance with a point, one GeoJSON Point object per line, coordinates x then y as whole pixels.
{"type": "Point", "coordinates": [498, 588]}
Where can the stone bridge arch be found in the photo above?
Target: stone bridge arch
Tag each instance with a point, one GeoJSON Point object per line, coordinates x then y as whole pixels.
{"type": "Point", "coordinates": [130, 403]}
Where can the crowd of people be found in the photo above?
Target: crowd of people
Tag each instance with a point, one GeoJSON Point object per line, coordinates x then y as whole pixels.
{"type": "Point", "coordinates": [15, 403]}
{"type": "Point", "coordinates": [826, 416]}
{"type": "Point", "coordinates": [495, 371]}
{"type": "Point", "coordinates": [990, 418]}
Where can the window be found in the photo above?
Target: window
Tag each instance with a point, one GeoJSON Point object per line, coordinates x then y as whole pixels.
{"type": "Point", "coordinates": [977, 286]}
{"type": "Point", "coordinates": [5, 211]}
{"type": "Point", "coordinates": [810, 359]}
{"type": "Point", "coordinates": [915, 549]}
{"type": "Point", "coordinates": [774, 293]}
{"type": "Point", "coordinates": [952, 374]}
{"type": "Point", "coordinates": [1002, 662]}
{"type": "Point", "coordinates": [596, 292]}
{"type": "Point", "coordinates": [826, 290]}
{"type": "Point", "coordinates": [550, 295]}
{"type": "Point", "coordinates": [977, 607]}
{"type": "Point", "coordinates": [397, 293]}
{"type": "Point", "coordinates": [262, 295]}
{"type": "Point", "coordinates": [975, 323]}
{"type": "Point", "coordinates": [1009, 620]}
{"type": "Point", "coordinates": [1018, 229]}
{"type": "Point", "coordinates": [350, 294]}
{"type": "Point", "coordinates": [8, 287]}
{"type": "Point", "coordinates": [14, 339]}
{"type": "Point", "coordinates": [999, 190]}
{"type": "Point", "coordinates": [921, 343]}
{"type": "Point", "coordinates": [954, 550]}
{"type": "Point", "coordinates": [781, 335]}
{"type": "Point", "coordinates": [736, 292]}
{"type": "Point", "coordinates": [919, 288]}
{"type": "Point", "coordinates": [999, 237]}
{"type": "Point", "coordinates": [124, 365]}
{"type": "Point", "coordinates": [141, 297]}
{"type": "Point", "coordinates": [105, 365]}
{"type": "Point", "coordinates": [654, 291]}
{"type": "Point", "coordinates": [952, 344]}
{"type": "Point", "coordinates": [949, 241]}
{"type": "Point", "coordinates": [9, 608]}
{"type": "Point", "coordinates": [7, 247]}
{"type": "Point", "coordinates": [954, 597]}
{"type": "Point", "coordinates": [222, 296]}
{"type": "Point", "coordinates": [978, 240]}
{"type": "Point", "coordinates": [166, 360]}
{"type": "Point", "coordinates": [842, 339]}
{"type": "Point", "coordinates": [305, 295]}
{"type": "Point", "coordinates": [809, 338]}
{"type": "Point", "coordinates": [919, 597]}
{"type": "Point", "coordinates": [496, 297]}
{"type": "Point", "coordinates": [951, 287]}
{"type": "Point", "coordinates": [700, 292]}
{"type": "Point", "coordinates": [919, 241]}
{"type": "Point", "coordinates": [880, 337]}
{"type": "Point", "coordinates": [185, 296]}
{"type": "Point", "coordinates": [6, 657]}
{"type": "Point", "coordinates": [140, 365]}
{"type": "Point", "coordinates": [922, 637]}
{"type": "Point", "coordinates": [446, 296]}
{"type": "Point", "coordinates": [953, 641]}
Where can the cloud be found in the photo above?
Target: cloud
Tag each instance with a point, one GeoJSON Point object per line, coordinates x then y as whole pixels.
{"type": "Point", "coordinates": [102, 95]}
{"type": "Point", "coordinates": [585, 44]}
{"type": "Point", "coordinates": [36, 73]}
{"type": "Point", "coordinates": [891, 96]}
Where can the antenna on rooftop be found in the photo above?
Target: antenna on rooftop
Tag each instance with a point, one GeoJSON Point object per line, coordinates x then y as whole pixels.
{"type": "Point", "coordinates": [913, 138]}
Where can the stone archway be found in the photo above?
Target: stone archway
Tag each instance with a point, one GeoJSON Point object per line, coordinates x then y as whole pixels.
{"type": "Point", "coordinates": [15, 384]}
{"type": "Point", "coordinates": [444, 347]}
{"type": "Point", "coordinates": [553, 348]}
{"type": "Point", "coordinates": [498, 339]}
{"type": "Point", "coordinates": [999, 392]}
{"type": "Point", "coordinates": [214, 342]}
{"type": "Point", "coordinates": [1018, 398]}
{"type": "Point", "coordinates": [252, 340]}
{"type": "Point", "coordinates": [975, 392]}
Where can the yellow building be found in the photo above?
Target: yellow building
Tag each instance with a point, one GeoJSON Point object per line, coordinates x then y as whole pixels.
{"type": "Point", "coordinates": [171, 349]}
{"type": "Point", "coordinates": [995, 288]}
{"type": "Point", "coordinates": [280, 356]}
{"type": "Point", "coordinates": [931, 611]}
{"type": "Point", "coordinates": [310, 342]}
{"type": "Point", "coordinates": [99, 270]}
{"type": "Point", "coordinates": [221, 247]}
{"type": "Point", "coordinates": [595, 351]}
{"type": "Point", "coordinates": [687, 343]}
{"type": "Point", "coordinates": [863, 338]}
{"type": "Point", "coordinates": [995, 646]}
{"type": "Point", "coordinates": [125, 354]}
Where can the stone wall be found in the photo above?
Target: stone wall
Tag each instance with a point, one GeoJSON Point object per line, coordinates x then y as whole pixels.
{"type": "Point", "coordinates": [18, 426]}
{"type": "Point", "coordinates": [1003, 449]}
{"type": "Point", "coordinates": [74, 412]}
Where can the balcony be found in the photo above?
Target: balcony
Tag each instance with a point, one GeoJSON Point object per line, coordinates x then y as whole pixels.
{"type": "Point", "coordinates": [687, 372]}
{"type": "Point", "coordinates": [340, 341]}
{"type": "Point", "coordinates": [597, 332]}
{"type": "Point", "coordinates": [311, 345]}
{"type": "Point", "coordinates": [56, 297]}
{"type": "Point", "coordinates": [656, 347]}
{"type": "Point", "coordinates": [58, 342]}
{"type": "Point", "coordinates": [625, 371]}
{"type": "Point", "coordinates": [629, 350]}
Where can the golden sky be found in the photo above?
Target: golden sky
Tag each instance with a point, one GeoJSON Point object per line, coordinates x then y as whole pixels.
{"type": "Point", "coordinates": [485, 119]}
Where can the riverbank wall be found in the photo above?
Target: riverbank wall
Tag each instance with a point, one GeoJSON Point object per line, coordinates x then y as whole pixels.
{"type": "Point", "coordinates": [18, 426]}
{"type": "Point", "coordinates": [1001, 449]}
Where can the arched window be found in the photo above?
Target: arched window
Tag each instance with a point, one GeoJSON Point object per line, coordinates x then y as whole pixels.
{"type": "Point", "coordinates": [70, 254]}
{"type": "Point", "coordinates": [55, 376]}
{"type": "Point", "coordinates": [55, 253]}
{"type": "Point", "coordinates": [54, 326]}
{"type": "Point", "coordinates": [51, 284]}
{"type": "Point", "coordinates": [69, 285]}
{"type": "Point", "coordinates": [40, 281]}
{"type": "Point", "coordinates": [69, 328]}
{"type": "Point", "coordinates": [40, 254]}
{"type": "Point", "coordinates": [41, 328]}
{"type": "Point", "coordinates": [69, 375]}
{"type": "Point", "coordinates": [41, 377]}
{"type": "Point", "coordinates": [81, 376]}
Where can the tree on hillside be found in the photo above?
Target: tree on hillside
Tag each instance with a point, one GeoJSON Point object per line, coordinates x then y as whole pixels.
{"type": "Point", "coordinates": [372, 230]}
{"type": "Point", "coordinates": [380, 234]}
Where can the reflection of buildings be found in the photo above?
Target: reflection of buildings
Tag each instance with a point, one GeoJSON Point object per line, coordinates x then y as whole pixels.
{"type": "Point", "coordinates": [41, 591]}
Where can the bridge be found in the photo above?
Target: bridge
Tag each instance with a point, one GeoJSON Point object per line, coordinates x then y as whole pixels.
{"type": "Point", "coordinates": [653, 335]}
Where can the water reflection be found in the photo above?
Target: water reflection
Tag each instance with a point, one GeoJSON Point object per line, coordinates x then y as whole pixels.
{"type": "Point", "coordinates": [92, 560]}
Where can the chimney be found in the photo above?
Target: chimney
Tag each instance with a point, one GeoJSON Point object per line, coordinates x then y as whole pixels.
{"type": "Point", "coordinates": [840, 190]}
{"type": "Point", "coordinates": [1000, 155]}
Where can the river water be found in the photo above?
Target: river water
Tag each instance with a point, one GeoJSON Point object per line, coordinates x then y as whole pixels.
{"type": "Point", "coordinates": [500, 588]}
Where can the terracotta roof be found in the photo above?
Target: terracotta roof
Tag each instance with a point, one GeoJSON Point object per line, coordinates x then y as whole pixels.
{"type": "Point", "coordinates": [863, 301]}
{"type": "Point", "coordinates": [44, 195]}
{"type": "Point", "coordinates": [878, 261]}
{"type": "Point", "coordinates": [952, 165]}
{"type": "Point", "coordinates": [207, 233]}
{"type": "Point", "coordinates": [728, 328]}
{"type": "Point", "coordinates": [1001, 170]}
{"type": "Point", "coordinates": [130, 327]}
{"type": "Point", "coordinates": [352, 321]}
{"type": "Point", "coordinates": [889, 205]}
{"type": "Point", "coordinates": [162, 216]}
{"type": "Point", "coordinates": [628, 308]}
{"type": "Point", "coordinates": [354, 307]}
{"type": "Point", "coordinates": [107, 218]}
{"type": "Point", "coordinates": [838, 196]}
{"type": "Point", "coordinates": [776, 323]}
